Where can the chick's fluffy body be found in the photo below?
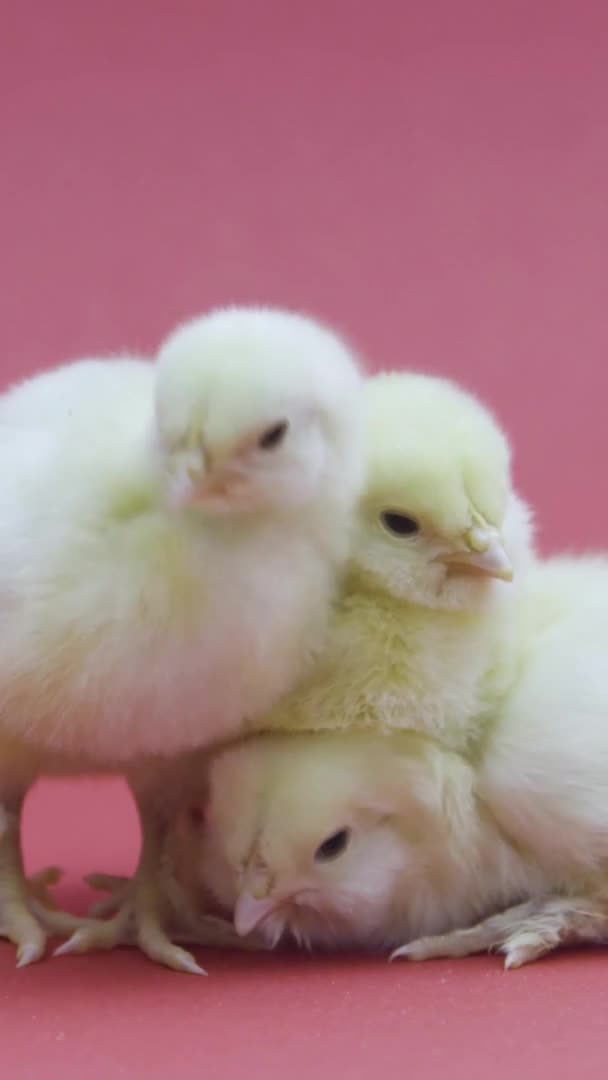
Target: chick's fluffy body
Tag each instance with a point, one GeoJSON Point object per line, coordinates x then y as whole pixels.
{"type": "Point", "coordinates": [423, 855]}
{"type": "Point", "coordinates": [132, 630]}
{"type": "Point", "coordinates": [544, 769]}
{"type": "Point", "coordinates": [418, 641]}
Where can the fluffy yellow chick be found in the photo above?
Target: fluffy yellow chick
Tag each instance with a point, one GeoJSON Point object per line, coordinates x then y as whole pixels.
{"type": "Point", "coordinates": [348, 840]}
{"type": "Point", "coordinates": [170, 534]}
{"type": "Point", "coordinates": [351, 840]}
{"type": "Point", "coordinates": [424, 633]}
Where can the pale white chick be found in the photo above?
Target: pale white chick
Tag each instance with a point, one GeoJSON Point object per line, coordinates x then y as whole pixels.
{"type": "Point", "coordinates": [346, 840]}
{"type": "Point", "coordinates": [424, 634]}
{"type": "Point", "coordinates": [375, 842]}
{"type": "Point", "coordinates": [170, 537]}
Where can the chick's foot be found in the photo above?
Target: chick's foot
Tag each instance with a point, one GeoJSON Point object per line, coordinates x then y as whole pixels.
{"type": "Point", "coordinates": [135, 919]}
{"type": "Point", "coordinates": [188, 924]}
{"type": "Point", "coordinates": [20, 925]}
{"type": "Point", "coordinates": [523, 933]}
{"type": "Point", "coordinates": [18, 921]}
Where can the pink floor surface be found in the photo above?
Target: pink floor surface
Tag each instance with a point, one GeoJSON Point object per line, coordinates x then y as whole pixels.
{"type": "Point", "coordinates": [432, 177]}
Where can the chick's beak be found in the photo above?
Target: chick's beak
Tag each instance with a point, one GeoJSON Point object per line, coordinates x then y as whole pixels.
{"type": "Point", "coordinates": [257, 898]}
{"type": "Point", "coordinates": [187, 473]}
{"type": "Point", "coordinates": [483, 552]}
{"type": "Point", "coordinates": [251, 910]}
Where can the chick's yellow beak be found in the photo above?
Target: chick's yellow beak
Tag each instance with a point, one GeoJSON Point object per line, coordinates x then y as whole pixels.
{"type": "Point", "coordinates": [482, 551]}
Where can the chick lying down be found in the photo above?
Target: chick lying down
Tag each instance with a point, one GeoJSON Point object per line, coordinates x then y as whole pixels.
{"type": "Point", "coordinates": [359, 841]}
{"type": "Point", "coordinates": [364, 842]}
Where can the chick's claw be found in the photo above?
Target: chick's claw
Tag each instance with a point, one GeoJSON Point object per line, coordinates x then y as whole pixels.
{"type": "Point", "coordinates": [523, 933]}
{"type": "Point", "coordinates": [111, 933]}
{"type": "Point", "coordinates": [522, 949]}
{"type": "Point", "coordinates": [24, 922]}
{"type": "Point", "coordinates": [20, 925]}
{"type": "Point", "coordinates": [30, 952]}
{"type": "Point", "coordinates": [99, 934]}
{"type": "Point", "coordinates": [153, 941]}
{"type": "Point", "coordinates": [126, 926]}
{"type": "Point", "coordinates": [189, 925]}
{"type": "Point", "coordinates": [431, 948]}
{"type": "Point", "coordinates": [25, 931]}
{"type": "Point", "coordinates": [485, 936]}
{"type": "Point", "coordinates": [26, 928]}
{"type": "Point", "coordinates": [132, 926]}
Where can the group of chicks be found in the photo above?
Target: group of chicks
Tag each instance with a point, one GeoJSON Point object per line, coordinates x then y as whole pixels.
{"type": "Point", "coordinates": [301, 612]}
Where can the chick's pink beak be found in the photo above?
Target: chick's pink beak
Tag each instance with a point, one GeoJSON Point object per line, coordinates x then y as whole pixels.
{"type": "Point", "coordinates": [250, 912]}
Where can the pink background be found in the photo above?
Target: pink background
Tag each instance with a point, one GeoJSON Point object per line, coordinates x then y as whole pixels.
{"type": "Point", "coordinates": [432, 177]}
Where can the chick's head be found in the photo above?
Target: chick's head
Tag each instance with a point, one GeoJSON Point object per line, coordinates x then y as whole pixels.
{"type": "Point", "coordinates": [431, 528]}
{"type": "Point", "coordinates": [304, 834]}
{"type": "Point", "coordinates": [258, 409]}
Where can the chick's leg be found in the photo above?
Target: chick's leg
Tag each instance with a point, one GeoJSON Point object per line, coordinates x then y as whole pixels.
{"type": "Point", "coordinates": [16, 919]}
{"type": "Point", "coordinates": [142, 908]}
{"type": "Point", "coordinates": [522, 933]}
{"type": "Point", "coordinates": [188, 924]}
{"type": "Point", "coordinates": [150, 907]}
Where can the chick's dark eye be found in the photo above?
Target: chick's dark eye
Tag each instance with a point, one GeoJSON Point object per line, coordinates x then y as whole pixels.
{"type": "Point", "coordinates": [399, 524]}
{"type": "Point", "coordinates": [273, 436]}
{"type": "Point", "coordinates": [335, 845]}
